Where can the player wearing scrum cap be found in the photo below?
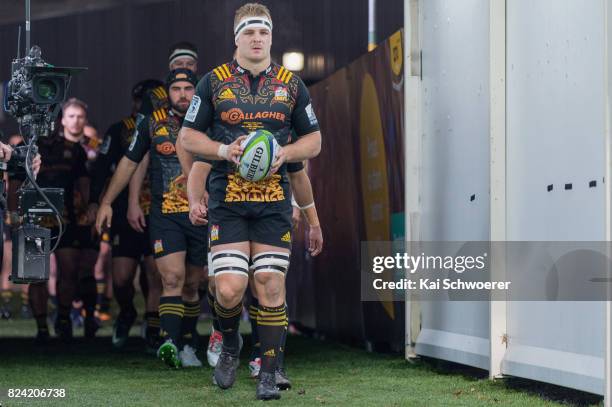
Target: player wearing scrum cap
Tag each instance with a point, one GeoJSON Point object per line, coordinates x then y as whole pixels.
{"type": "Point", "coordinates": [178, 246]}
{"type": "Point", "coordinates": [250, 221]}
{"type": "Point", "coordinates": [129, 246]}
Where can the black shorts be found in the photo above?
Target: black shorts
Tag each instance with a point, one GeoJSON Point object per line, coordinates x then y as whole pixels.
{"type": "Point", "coordinates": [75, 237]}
{"type": "Point", "coordinates": [262, 222]}
{"type": "Point", "coordinates": [127, 242]}
{"type": "Point", "coordinates": [173, 232]}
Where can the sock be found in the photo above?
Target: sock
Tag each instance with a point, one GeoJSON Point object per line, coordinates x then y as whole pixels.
{"type": "Point", "coordinates": [211, 303]}
{"type": "Point", "coordinates": [253, 311]}
{"type": "Point", "coordinates": [271, 322]}
{"type": "Point", "coordinates": [229, 321]}
{"type": "Point", "coordinates": [190, 322]}
{"type": "Point", "coordinates": [143, 282]}
{"type": "Point", "coordinates": [38, 302]}
{"type": "Point", "coordinates": [6, 295]}
{"type": "Point", "coordinates": [105, 304]}
{"type": "Point", "coordinates": [124, 295]}
{"type": "Point", "coordinates": [88, 294]}
{"type": "Point", "coordinates": [100, 290]}
{"type": "Point", "coordinates": [171, 312]}
{"type": "Point", "coordinates": [280, 362]}
{"type": "Point", "coordinates": [152, 319]}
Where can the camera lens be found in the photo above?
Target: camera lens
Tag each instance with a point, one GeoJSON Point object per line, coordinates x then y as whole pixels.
{"type": "Point", "coordinates": [47, 89]}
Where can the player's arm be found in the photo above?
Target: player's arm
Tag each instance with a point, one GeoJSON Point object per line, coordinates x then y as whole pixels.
{"type": "Point", "coordinates": [198, 119]}
{"type": "Point", "coordinates": [304, 199]}
{"type": "Point", "coordinates": [306, 126]}
{"type": "Point", "coordinates": [135, 215]}
{"type": "Point", "coordinates": [110, 151]}
{"type": "Point", "coordinates": [196, 192]}
{"type": "Point", "coordinates": [126, 168]}
{"type": "Point", "coordinates": [184, 157]}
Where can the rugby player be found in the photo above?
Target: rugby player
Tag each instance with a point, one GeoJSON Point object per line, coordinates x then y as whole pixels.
{"type": "Point", "coordinates": [179, 247]}
{"type": "Point", "coordinates": [250, 221]}
{"type": "Point", "coordinates": [129, 246]}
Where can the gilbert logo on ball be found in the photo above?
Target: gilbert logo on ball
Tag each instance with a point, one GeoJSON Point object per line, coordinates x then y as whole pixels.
{"type": "Point", "coordinates": [260, 149]}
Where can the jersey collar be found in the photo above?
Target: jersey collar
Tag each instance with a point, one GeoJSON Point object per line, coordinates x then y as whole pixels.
{"type": "Point", "coordinates": [244, 71]}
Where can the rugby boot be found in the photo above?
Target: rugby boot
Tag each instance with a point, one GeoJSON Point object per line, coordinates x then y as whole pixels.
{"type": "Point", "coordinates": [189, 358]}
{"type": "Point", "coordinates": [282, 381]}
{"type": "Point", "coordinates": [168, 353]}
{"type": "Point", "coordinates": [121, 330]}
{"type": "Point", "coordinates": [91, 326]}
{"type": "Point", "coordinates": [215, 344]}
{"type": "Point", "coordinates": [266, 387]}
{"type": "Point", "coordinates": [63, 329]}
{"type": "Point", "coordinates": [225, 371]}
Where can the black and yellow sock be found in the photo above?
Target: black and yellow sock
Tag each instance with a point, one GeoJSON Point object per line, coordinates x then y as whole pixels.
{"type": "Point", "coordinates": [25, 298]}
{"type": "Point", "coordinates": [7, 296]}
{"type": "Point", "coordinates": [87, 292]}
{"type": "Point", "coordinates": [229, 321]}
{"type": "Point", "coordinates": [281, 351]}
{"type": "Point", "coordinates": [271, 323]}
{"type": "Point", "coordinates": [171, 313]}
{"type": "Point", "coordinates": [210, 297]}
{"type": "Point", "coordinates": [152, 319]}
{"type": "Point", "coordinates": [256, 345]}
{"type": "Point", "coordinates": [100, 290]}
{"type": "Point", "coordinates": [190, 322]}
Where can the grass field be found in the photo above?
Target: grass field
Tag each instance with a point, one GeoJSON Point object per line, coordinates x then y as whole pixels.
{"type": "Point", "coordinates": [322, 373]}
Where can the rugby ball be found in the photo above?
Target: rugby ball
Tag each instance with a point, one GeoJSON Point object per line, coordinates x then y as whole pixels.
{"type": "Point", "coordinates": [260, 149]}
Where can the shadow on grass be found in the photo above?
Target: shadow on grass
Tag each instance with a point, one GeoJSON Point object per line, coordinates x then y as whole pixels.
{"type": "Point", "coordinates": [542, 390]}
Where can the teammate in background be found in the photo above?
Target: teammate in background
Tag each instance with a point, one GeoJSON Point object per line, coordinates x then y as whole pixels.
{"type": "Point", "coordinates": [129, 245]}
{"type": "Point", "coordinates": [64, 167]}
{"type": "Point", "coordinates": [92, 144]}
{"type": "Point", "coordinates": [181, 55]}
{"type": "Point", "coordinates": [250, 220]}
{"type": "Point", "coordinates": [178, 246]}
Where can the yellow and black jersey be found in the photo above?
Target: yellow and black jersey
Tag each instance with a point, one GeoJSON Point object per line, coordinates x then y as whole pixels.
{"type": "Point", "coordinates": [157, 134]}
{"type": "Point", "coordinates": [230, 102]}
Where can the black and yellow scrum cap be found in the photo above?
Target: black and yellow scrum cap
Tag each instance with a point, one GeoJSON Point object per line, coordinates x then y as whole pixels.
{"type": "Point", "coordinates": [181, 74]}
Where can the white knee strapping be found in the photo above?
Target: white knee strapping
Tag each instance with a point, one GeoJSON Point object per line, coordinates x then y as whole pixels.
{"type": "Point", "coordinates": [271, 262]}
{"type": "Point", "coordinates": [211, 272]}
{"type": "Point", "coordinates": [230, 262]}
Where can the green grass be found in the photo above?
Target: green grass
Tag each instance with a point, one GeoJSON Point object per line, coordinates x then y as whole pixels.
{"type": "Point", "coordinates": [322, 373]}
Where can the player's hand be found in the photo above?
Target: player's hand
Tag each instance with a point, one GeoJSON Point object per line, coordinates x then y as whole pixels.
{"type": "Point", "coordinates": [36, 163]}
{"type": "Point", "coordinates": [315, 240]}
{"type": "Point", "coordinates": [279, 159]}
{"type": "Point", "coordinates": [136, 217]}
{"type": "Point", "coordinates": [197, 213]}
{"type": "Point", "coordinates": [295, 217]}
{"type": "Point", "coordinates": [104, 217]}
{"type": "Point", "coordinates": [205, 198]}
{"type": "Point", "coordinates": [92, 210]}
{"type": "Point", "coordinates": [232, 152]}
{"type": "Point", "coordinates": [5, 152]}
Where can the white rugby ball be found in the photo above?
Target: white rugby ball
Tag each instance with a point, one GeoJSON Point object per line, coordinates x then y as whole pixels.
{"type": "Point", "coordinates": [260, 149]}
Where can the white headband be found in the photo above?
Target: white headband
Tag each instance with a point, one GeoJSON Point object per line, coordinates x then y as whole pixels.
{"type": "Point", "coordinates": [181, 53]}
{"type": "Point", "coordinates": [252, 22]}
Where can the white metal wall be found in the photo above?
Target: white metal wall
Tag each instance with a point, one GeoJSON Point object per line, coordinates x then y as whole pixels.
{"type": "Point", "coordinates": [550, 130]}
{"type": "Point", "coordinates": [555, 136]}
{"type": "Point", "coordinates": [455, 163]}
